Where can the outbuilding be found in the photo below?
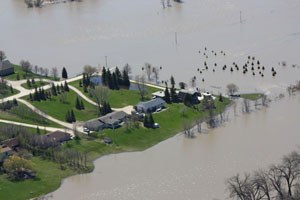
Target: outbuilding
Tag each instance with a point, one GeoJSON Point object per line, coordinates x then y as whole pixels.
{"type": "Point", "coordinates": [150, 106]}
{"type": "Point", "coordinates": [6, 68]}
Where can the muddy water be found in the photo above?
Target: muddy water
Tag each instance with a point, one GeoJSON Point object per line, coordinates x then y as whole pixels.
{"type": "Point", "coordinates": [182, 168]}
{"type": "Point", "coordinates": [138, 31]}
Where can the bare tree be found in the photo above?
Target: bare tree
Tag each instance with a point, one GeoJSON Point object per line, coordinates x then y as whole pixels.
{"type": "Point", "coordinates": [46, 72]}
{"type": "Point", "coordinates": [26, 66]}
{"type": "Point", "coordinates": [187, 129]}
{"type": "Point", "coordinates": [141, 85]}
{"type": "Point", "coordinates": [148, 70]}
{"type": "Point", "coordinates": [232, 88]}
{"type": "Point", "coordinates": [36, 69]}
{"type": "Point", "coordinates": [183, 110]}
{"type": "Point", "coordinates": [155, 71]}
{"type": "Point", "coordinates": [265, 101]}
{"type": "Point", "coordinates": [2, 56]}
{"type": "Point", "coordinates": [193, 82]}
{"type": "Point", "coordinates": [127, 68]}
{"type": "Point", "coordinates": [101, 94]}
{"type": "Point", "coordinates": [54, 72]}
{"type": "Point", "coordinates": [246, 106]}
{"type": "Point", "coordinates": [199, 121]}
{"type": "Point", "coordinates": [89, 70]}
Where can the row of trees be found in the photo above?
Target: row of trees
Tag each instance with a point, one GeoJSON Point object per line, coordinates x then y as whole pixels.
{"type": "Point", "coordinates": [151, 70]}
{"type": "Point", "coordinates": [8, 105]}
{"type": "Point", "coordinates": [281, 181]}
{"type": "Point", "coordinates": [79, 104]}
{"type": "Point", "coordinates": [70, 116]}
{"type": "Point", "coordinates": [116, 80]}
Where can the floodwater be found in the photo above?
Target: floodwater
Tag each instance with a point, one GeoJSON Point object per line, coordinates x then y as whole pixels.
{"type": "Point", "coordinates": [182, 168]}
{"type": "Point", "coordinates": [139, 31]}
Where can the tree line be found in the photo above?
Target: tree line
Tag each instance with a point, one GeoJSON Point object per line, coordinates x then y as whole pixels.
{"type": "Point", "coordinates": [278, 182]}
{"type": "Point", "coordinates": [115, 80]}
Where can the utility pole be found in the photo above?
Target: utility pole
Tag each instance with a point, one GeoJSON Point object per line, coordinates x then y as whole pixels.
{"type": "Point", "coordinates": [176, 38]}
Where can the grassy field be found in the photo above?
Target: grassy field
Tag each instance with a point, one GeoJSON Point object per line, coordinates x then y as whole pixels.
{"type": "Point", "coordinates": [49, 174]}
{"type": "Point", "coordinates": [37, 84]}
{"type": "Point", "coordinates": [121, 98]}
{"type": "Point", "coordinates": [23, 75]}
{"type": "Point", "coordinates": [7, 92]}
{"type": "Point", "coordinates": [252, 97]}
{"type": "Point", "coordinates": [58, 110]}
{"type": "Point", "coordinates": [23, 114]}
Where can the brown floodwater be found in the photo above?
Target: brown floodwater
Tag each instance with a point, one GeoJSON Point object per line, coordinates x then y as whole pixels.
{"type": "Point", "coordinates": [138, 31]}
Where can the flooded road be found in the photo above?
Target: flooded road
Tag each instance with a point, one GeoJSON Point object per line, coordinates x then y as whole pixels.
{"type": "Point", "coordinates": [182, 168]}
{"type": "Point", "coordinates": [139, 31]}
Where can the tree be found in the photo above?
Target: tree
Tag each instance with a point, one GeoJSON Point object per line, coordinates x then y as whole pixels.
{"type": "Point", "coordinates": [141, 85]}
{"type": "Point", "coordinates": [232, 88]}
{"type": "Point", "coordinates": [155, 71]}
{"type": "Point", "coordinates": [125, 77]}
{"type": "Point", "coordinates": [146, 121]}
{"type": "Point", "coordinates": [167, 96]}
{"type": "Point", "coordinates": [73, 116]}
{"type": "Point", "coordinates": [182, 85]}
{"type": "Point", "coordinates": [172, 82]}
{"type": "Point", "coordinates": [36, 69]}
{"type": "Point", "coordinates": [16, 167]}
{"type": "Point", "coordinates": [66, 87]}
{"type": "Point", "coordinates": [82, 105]}
{"type": "Point", "coordinates": [148, 69]}
{"type": "Point", "coordinates": [100, 94]}
{"type": "Point", "coordinates": [127, 68]}
{"type": "Point", "coordinates": [77, 104]}
{"type": "Point", "coordinates": [104, 77]}
{"type": "Point", "coordinates": [2, 56]}
{"type": "Point", "coordinates": [53, 90]}
{"type": "Point", "coordinates": [64, 73]}
{"type": "Point", "coordinates": [26, 66]}
{"type": "Point", "coordinates": [89, 70]}
{"type": "Point", "coordinates": [188, 100]}
{"type": "Point", "coordinates": [151, 121]}
{"type": "Point", "coordinates": [54, 72]}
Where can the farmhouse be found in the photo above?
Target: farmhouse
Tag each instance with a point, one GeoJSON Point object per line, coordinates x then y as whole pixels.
{"type": "Point", "coordinates": [6, 68]}
{"type": "Point", "coordinates": [56, 138]}
{"type": "Point", "coordinates": [150, 106]}
{"type": "Point", "coordinates": [195, 94]}
{"type": "Point", "coordinates": [5, 152]}
{"type": "Point", "coordinates": [111, 120]}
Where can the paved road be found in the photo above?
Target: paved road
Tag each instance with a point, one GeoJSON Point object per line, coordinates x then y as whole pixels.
{"type": "Point", "coordinates": [50, 129]}
{"type": "Point", "coordinates": [25, 92]}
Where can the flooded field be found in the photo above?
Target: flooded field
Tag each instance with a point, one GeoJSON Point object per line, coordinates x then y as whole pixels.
{"type": "Point", "coordinates": [139, 31]}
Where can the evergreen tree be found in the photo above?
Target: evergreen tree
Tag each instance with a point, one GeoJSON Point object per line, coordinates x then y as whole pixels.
{"type": "Point", "coordinates": [151, 121]}
{"type": "Point", "coordinates": [11, 89]}
{"type": "Point", "coordinates": [126, 81]}
{"type": "Point", "coordinates": [174, 95]}
{"type": "Point", "coordinates": [221, 98]}
{"type": "Point", "coordinates": [64, 73]}
{"type": "Point", "coordinates": [109, 79]}
{"type": "Point", "coordinates": [188, 100]}
{"type": "Point", "coordinates": [32, 81]}
{"type": "Point", "coordinates": [18, 76]}
{"type": "Point", "coordinates": [85, 89]}
{"type": "Point", "coordinates": [104, 76]}
{"type": "Point", "coordinates": [109, 110]}
{"type": "Point", "coordinates": [146, 121]}
{"type": "Point", "coordinates": [77, 104]}
{"type": "Point", "coordinates": [62, 89]}
{"type": "Point", "coordinates": [66, 87]}
{"type": "Point", "coordinates": [73, 116]}
{"type": "Point", "coordinates": [172, 82]}
{"type": "Point", "coordinates": [167, 96]}
{"type": "Point", "coordinates": [30, 97]}
{"type": "Point", "coordinates": [68, 117]}
{"type": "Point", "coordinates": [35, 95]}
{"type": "Point", "coordinates": [115, 82]}
{"type": "Point", "coordinates": [82, 105]}
{"type": "Point", "coordinates": [38, 131]}
{"type": "Point", "coordinates": [53, 90]}
{"type": "Point", "coordinates": [58, 89]}
{"type": "Point", "coordinates": [80, 83]}
{"type": "Point", "coordinates": [15, 102]}
{"type": "Point", "coordinates": [28, 83]}
{"type": "Point", "coordinates": [118, 76]}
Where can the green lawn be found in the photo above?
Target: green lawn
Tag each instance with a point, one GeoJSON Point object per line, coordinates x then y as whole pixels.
{"type": "Point", "coordinates": [23, 114]}
{"type": "Point", "coordinates": [121, 98]}
{"type": "Point", "coordinates": [58, 110]}
{"type": "Point", "coordinates": [7, 92]}
{"type": "Point", "coordinates": [49, 176]}
{"type": "Point", "coordinates": [252, 97]}
{"type": "Point", "coordinates": [23, 75]}
{"type": "Point", "coordinates": [36, 85]}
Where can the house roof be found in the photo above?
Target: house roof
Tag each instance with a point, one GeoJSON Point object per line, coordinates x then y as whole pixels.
{"type": "Point", "coordinates": [94, 124]}
{"type": "Point", "coordinates": [113, 117]}
{"type": "Point", "coordinates": [5, 65]}
{"type": "Point", "coordinates": [5, 149]}
{"type": "Point", "coordinates": [151, 103]}
{"type": "Point", "coordinates": [159, 94]}
{"type": "Point", "coordinates": [57, 136]}
{"type": "Point", "coordinates": [13, 142]}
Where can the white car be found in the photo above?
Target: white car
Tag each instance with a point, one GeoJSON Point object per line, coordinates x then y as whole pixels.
{"type": "Point", "coordinates": [155, 125]}
{"type": "Point", "coordinates": [158, 110]}
{"type": "Point", "coordinates": [86, 130]}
